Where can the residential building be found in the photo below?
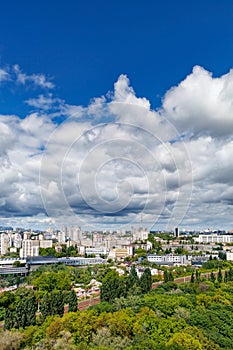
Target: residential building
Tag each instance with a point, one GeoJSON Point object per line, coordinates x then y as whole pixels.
{"type": "Point", "coordinates": [29, 248]}
{"type": "Point", "coordinates": [4, 243]}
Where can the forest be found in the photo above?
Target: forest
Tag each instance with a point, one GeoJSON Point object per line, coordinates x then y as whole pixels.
{"type": "Point", "coordinates": [197, 315]}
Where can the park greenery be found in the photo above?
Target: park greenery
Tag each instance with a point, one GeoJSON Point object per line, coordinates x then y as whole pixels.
{"type": "Point", "coordinates": [196, 315]}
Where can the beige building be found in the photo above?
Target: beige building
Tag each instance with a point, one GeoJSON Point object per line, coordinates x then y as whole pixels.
{"type": "Point", "coordinates": [119, 253]}
{"type": "Point", "coordinates": [46, 243]}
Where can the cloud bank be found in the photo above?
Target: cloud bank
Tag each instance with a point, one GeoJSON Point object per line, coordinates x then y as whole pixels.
{"type": "Point", "coordinates": [116, 161]}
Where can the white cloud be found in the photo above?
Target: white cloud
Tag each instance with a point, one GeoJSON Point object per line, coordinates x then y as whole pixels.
{"type": "Point", "coordinates": [134, 162]}
{"type": "Point", "coordinates": [36, 79]}
{"type": "Point", "coordinates": [4, 75]}
{"type": "Point", "coordinates": [45, 102]}
{"type": "Point", "coordinates": [201, 104]}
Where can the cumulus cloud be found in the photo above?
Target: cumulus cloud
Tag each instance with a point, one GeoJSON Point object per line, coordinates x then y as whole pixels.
{"type": "Point", "coordinates": [201, 104]}
{"type": "Point", "coordinates": [117, 159]}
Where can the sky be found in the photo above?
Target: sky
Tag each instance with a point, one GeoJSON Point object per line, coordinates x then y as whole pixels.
{"type": "Point", "coordinates": [116, 114]}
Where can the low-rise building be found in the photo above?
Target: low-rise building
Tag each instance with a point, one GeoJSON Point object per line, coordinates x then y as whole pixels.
{"type": "Point", "coordinates": [214, 238]}
{"type": "Point", "coordinates": [97, 251]}
{"type": "Point", "coordinates": [121, 253]}
{"type": "Point", "coordinates": [168, 259]}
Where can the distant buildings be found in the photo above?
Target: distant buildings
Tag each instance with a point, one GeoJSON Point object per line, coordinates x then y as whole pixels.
{"type": "Point", "coordinates": [117, 245]}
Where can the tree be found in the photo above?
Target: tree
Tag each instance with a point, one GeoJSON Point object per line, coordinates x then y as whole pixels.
{"type": "Point", "coordinates": [219, 277]}
{"type": "Point", "coordinates": [132, 279]}
{"type": "Point", "coordinates": [212, 277]}
{"type": "Point", "coordinates": [112, 287]}
{"type": "Point", "coordinates": [54, 328]}
{"type": "Point", "coordinates": [45, 306]}
{"type": "Point", "coordinates": [105, 340]}
{"type": "Point", "coordinates": [10, 320]}
{"type": "Point", "coordinates": [6, 299]}
{"type": "Point", "coordinates": [50, 280]}
{"type": "Point", "coordinates": [57, 301]}
{"type": "Point", "coordinates": [185, 341]}
{"type": "Point", "coordinates": [146, 281]}
{"type": "Point", "coordinates": [31, 308]}
{"type": "Point", "coordinates": [10, 340]}
{"type": "Point", "coordinates": [72, 301]}
{"type": "Point", "coordinates": [21, 314]}
{"type": "Point", "coordinates": [197, 276]}
{"type": "Point", "coordinates": [230, 274]}
{"type": "Point", "coordinates": [170, 276]}
{"type": "Point", "coordinates": [47, 251]}
{"type": "Point", "coordinates": [192, 278]}
{"type": "Point", "coordinates": [165, 276]}
{"type": "Point", "coordinates": [226, 278]}
{"type": "Point", "coordinates": [222, 255]}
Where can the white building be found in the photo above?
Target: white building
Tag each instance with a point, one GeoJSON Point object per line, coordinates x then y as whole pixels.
{"type": "Point", "coordinates": [75, 234]}
{"type": "Point", "coordinates": [4, 243]}
{"type": "Point", "coordinates": [29, 248]}
{"type": "Point", "coordinates": [140, 234]}
{"type": "Point", "coordinates": [168, 259]}
{"type": "Point", "coordinates": [17, 240]}
{"type": "Point", "coordinates": [214, 238]}
{"type": "Point", "coordinates": [61, 237]}
{"type": "Point", "coordinates": [97, 251]}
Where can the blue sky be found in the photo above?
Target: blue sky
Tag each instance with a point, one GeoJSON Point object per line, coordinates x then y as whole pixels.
{"type": "Point", "coordinates": [58, 60]}
{"type": "Point", "coordinates": [85, 46]}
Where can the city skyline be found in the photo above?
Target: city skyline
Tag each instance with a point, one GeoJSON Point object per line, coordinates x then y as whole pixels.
{"type": "Point", "coordinates": [101, 128]}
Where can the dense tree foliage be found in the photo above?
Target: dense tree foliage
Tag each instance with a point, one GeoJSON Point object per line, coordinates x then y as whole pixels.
{"type": "Point", "coordinates": [196, 315]}
{"type": "Point", "coordinates": [146, 281]}
{"type": "Point", "coordinates": [132, 280]}
{"type": "Point", "coordinates": [114, 286]}
{"type": "Point", "coordinates": [72, 301]}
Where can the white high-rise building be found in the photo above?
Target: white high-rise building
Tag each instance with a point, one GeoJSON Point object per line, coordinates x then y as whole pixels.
{"type": "Point", "coordinates": [17, 240]}
{"type": "Point", "coordinates": [75, 234]}
{"type": "Point", "coordinates": [61, 237]}
{"type": "Point", "coordinates": [140, 234]}
{"type": "Point", "coordinates": [29, 248]}
{"type": "Point", "coordinates": [4, 243]}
